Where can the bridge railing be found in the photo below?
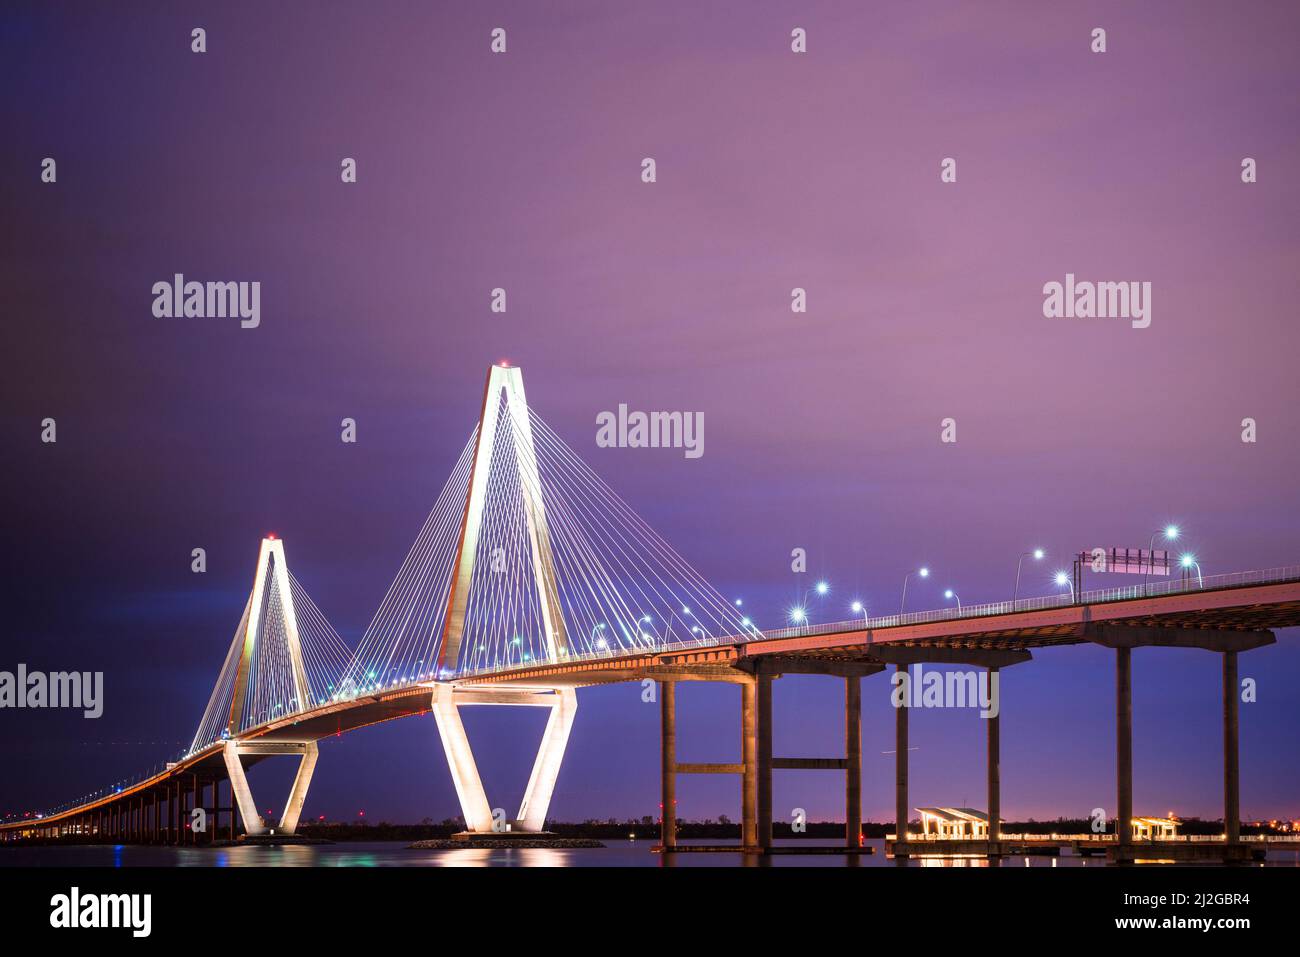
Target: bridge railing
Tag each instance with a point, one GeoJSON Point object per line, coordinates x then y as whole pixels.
{"type": "Point", "coordinates": [1191, 583]}
{"type": "Point", "coordinates": [1180, 585]}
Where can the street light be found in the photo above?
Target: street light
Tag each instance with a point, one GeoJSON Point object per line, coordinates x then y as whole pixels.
{"type": "Point", "coordinates": [1189, 561]}
{"type": "Point", "coordinates": [1037, 555]}
{"type": "Point", "coordinates": [952, 594]}
{"type": "Point", "coordinates": [1170, 532]}
{"type": "Point", "coordinates": [924, 573]}
{"type": "Point", "coordinates": [859, 608]}
{"type": "Point", "coordinates": [1063, 579]}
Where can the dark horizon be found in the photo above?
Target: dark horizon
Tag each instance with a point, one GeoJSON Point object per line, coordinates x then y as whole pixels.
{"type": "Point", "coordinates": [775, 171]}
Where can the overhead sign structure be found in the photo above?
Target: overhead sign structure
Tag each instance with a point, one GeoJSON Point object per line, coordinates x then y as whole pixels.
{"type": "Point", "coordinates": [1127, 561]}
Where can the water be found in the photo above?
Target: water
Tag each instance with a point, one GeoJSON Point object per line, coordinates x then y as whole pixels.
{"type": "Point", "coordinates": [399, 854]}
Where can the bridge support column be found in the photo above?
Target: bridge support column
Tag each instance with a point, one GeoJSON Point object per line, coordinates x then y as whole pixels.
{"type": "Point", "coordinates": [853, 761]}
{"type": "Point", "coordinates": [1231, 770]}
{"type": "Point", "coordinates": [995, 764]}
{"type": "Point", "coordinates": [764, 704]}
{"type": "Point", "coordinates": [900, 773]}
{"type": "Point", "coordinates": [446, 703]}
{"type": "Point", "coordinates": [254, 824]}
{"type": "Point", "coordinates": [1124, 744]}
{"type": "Point", "coordinates": [297, 794]}
{"type": "Point", "coordinates": [668, 763]}
{"type": "Point", "coordinates": [749, 757]}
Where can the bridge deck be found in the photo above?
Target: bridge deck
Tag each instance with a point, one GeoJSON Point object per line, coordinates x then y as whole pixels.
{"type": "Point", "coordinates": [1245, 608]}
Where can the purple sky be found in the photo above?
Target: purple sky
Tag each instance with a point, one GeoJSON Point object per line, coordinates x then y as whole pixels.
{"type": "Point", "coordinates": [822, 430]}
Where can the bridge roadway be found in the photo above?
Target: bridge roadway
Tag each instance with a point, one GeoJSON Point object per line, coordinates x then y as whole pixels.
{"type": "Point", "coordinates": [1227, 619]}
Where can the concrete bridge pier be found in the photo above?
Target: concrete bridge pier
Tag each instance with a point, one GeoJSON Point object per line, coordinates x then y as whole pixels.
{"type": "Point", "coordinates": [446, 702]}
{"type": "Point", "coordinates": [668, 764]}
{"type": "Point", "coordinates": [1231, 770]}
{"type": "Point", "coordinates": [994, 660]}
{"type": "Point", "coordinates": [759, 756]}
{"type": "Point", "coordinates": [900, 776]}
{"type": "Point", "coordinates": [995, 769]}
{"type": "Point", "coordinates": [1124, 745]}
{"type": "Point", "coordinates": [242, 796]}
{"type": "Point", "coordinates": [1124, 639]}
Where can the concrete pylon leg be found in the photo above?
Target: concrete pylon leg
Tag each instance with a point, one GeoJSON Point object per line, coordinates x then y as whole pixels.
{"type": "Point", "coordinates": [1231, 770]}
{"type": "Point", "coordinates": [1124, 743]}
{"type": "Point", "coordinates": [254, 825]}
{"type": "Point", "coordinates": [749, 757]}
{"type": "Point", "coordinates": [668, 762]}
{"type": "Point", "coordinates": [853, 761]}
{"type": "Point", "coordinates": [541, 784]}
{"type": "Point", "coordinates": [995, 767]}
{"type": "Point", "coordinates": [900, 774]}
{"type": "Point", "coordinates": [298, 795]}
{"type": "Point", "coordinates": [764, 761]}
{"type": "Point", "coordinates": [460, 759]}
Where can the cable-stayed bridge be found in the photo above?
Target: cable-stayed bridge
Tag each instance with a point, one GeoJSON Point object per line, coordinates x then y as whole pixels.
{"type": "Point", "coordinates": [531, 578]}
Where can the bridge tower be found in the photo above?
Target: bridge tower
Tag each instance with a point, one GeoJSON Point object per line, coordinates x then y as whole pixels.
{"type": "Point", "coordinates": [270, 588]}
{"type": "Point", "coordinates": [505, 406]}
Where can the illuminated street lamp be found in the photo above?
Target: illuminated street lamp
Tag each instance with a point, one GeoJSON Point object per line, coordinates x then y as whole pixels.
{"type": "Point", "coordinates": [950, 594]}
{"type": "Point", "coordinates": [859, 608]}
{"type": "Point", "coordinates": [1189, 561]}
{"type": "Point", "coordinates": [1063, 579]}
{"type": "Point", "coordinates": [1170, 532]}
{"type": "Point", "coordinates": [924, 573]}
{"type": "Point", "coordinates": [1037, 555]}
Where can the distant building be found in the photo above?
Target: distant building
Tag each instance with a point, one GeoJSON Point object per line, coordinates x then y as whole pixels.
{"type": "Point", "coordinates": [1154, 828]}
{"type": "Point", "coordinates": [954, 823]}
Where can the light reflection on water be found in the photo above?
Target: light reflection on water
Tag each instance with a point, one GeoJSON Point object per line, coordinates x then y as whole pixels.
{"type": "Point", "coordinates": [399, 854]}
